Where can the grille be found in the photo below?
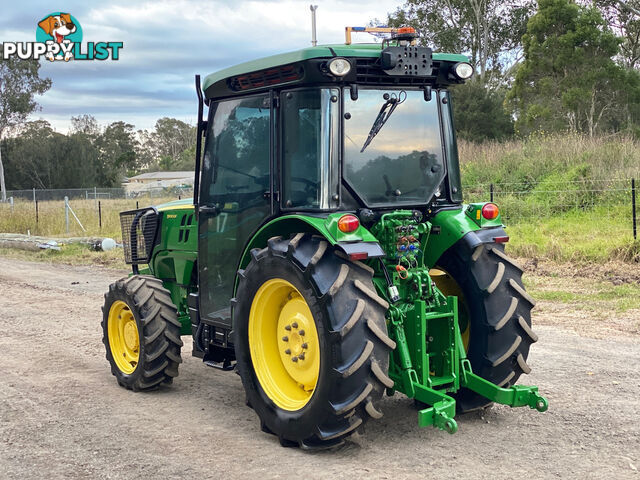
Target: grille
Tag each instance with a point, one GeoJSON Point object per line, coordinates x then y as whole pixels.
{"type": "Point", "coordinates": [265, 78]}
{"type": "Point", "coordinates": [369, 72]}
{"type": "Point", "coordinates": [139, 229]}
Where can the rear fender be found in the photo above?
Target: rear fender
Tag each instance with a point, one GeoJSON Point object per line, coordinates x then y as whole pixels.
{"type": "Point", "coordinates": [460, 225]}
{"type": "Point", "coordinates": [359, 241]}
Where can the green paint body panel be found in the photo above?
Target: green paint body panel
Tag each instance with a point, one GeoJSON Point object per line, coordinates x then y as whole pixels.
{"type": "Point", "coordinates": [174, 257]}
{"type": "Point", "coordinates": [370, 50]}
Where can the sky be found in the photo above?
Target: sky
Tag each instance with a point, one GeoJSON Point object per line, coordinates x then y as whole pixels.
{"type": "Point", "coordinates": [166, 43]}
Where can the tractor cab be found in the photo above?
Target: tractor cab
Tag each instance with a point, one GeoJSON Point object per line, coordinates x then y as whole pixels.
{"type": "Point", "coordinates": [363, 127]}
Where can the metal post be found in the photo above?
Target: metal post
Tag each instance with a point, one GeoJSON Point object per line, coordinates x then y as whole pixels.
{"type": "Point", "coordinates": [34, 195]}
{"type": "Point", "coordinates": [633, 208]}
{"type": "Point", "coordinates": [491, 192]}
{"type": "Point", "coordinates": [36, 211]}
{"type": "Point", "coordinates": [66, 213]}
{"type": "Point", "coordinates": [100, 214]}
{"type": "Point", "coordinates": [314, 38]}
{"type": "Point", "coordinates": [137, 205]}
{"type": "Point", "coordinates": [86, 194]}
{"type": "Point", "coordinates": [11, 203]}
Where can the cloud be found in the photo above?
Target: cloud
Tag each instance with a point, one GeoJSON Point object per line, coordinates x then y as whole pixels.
{"type": "Point", "coordinates": [166, 43]}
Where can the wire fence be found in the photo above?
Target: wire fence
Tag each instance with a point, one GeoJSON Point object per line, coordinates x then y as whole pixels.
{"type": "Point", "coordinates": [95, 193]}
{"type": "Point", "coordinates": [608, 204]}
{"type": "Point", "coordinates": [593, 206]}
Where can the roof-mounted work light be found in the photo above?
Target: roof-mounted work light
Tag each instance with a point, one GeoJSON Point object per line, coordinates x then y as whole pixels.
{"type": "Point", "coordinates": [339, 67]}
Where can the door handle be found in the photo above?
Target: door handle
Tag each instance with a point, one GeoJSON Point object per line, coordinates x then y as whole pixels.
{"type": "Point", "coordinates": [208, 209]}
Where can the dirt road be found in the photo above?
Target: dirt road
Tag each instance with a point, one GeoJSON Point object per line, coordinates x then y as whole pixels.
{"type": "Point", "coordinates": [62, 415]}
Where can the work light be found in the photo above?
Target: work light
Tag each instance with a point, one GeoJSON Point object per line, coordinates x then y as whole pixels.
{"type": "Point", "coordinates": [463, 70]}
{"type": "Point", "coordinates": [339, 67]}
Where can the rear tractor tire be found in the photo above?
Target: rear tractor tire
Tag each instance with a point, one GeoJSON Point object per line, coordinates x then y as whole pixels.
{"type": "Point", "coordinates": [495, 315]}
{"type": "Point", "coordinates": [311, 341]}
{"type": "Point", "coordinates": [141, 333]}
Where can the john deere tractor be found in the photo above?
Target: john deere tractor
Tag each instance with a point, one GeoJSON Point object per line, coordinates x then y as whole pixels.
{"type": "Point", "coordinates": [327, 256]}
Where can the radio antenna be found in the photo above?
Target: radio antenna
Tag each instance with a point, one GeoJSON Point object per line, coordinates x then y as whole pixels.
{"type": "Point", "coordinates": [314, 39]}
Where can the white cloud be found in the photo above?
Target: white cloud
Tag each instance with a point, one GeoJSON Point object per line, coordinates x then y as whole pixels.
{"type": "Point", "coordinates": [167, 42]}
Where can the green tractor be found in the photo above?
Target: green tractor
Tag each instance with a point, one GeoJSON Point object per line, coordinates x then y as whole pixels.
{"type": "Point", "coordinates": [327, 256]}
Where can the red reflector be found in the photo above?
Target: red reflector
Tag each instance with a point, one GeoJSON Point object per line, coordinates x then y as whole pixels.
{"type": "Point", "coordinates": [501, 239]}
{"type": "Point", "coordinates": [490, 211]}
{"type": "Point", "coordinates": [348, 223]}
{"type": "Point", "coordinates": [406, 30]}
{"type": "Point", "coordinates": [358, 256]}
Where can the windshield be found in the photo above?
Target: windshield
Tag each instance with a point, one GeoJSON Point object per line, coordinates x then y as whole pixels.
{"type": "Point", "coordinates": [403, 163]}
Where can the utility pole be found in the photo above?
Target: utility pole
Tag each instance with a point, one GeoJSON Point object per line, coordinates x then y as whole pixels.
{"type": "Point", "coordinates": [314, 38]}
{"type": "Point", "coordinates": [2, 186]}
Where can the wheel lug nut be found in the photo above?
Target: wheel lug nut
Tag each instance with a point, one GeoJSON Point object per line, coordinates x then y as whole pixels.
{"type": "Point", "coordinates": [304, 345]}
{"type": "Point", "coordinates": [285, 339]}
{"type": "Point", "coordinates": [301, 332]}
{"type": "Point", "coordinates": [288, 327]}
{"type": "Point", "coordinates": [301, 356]}
{"type": "Point", "coordinates": [287, 351]}
{"type": "Point", "coordinates": [294, 359]}
{"type": "Point", "coordinates": [294, 324]}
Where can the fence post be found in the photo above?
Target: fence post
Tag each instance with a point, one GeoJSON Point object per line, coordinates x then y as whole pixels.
{"type": "Point", "coordinates": [36, 211]}
{"type": "Point", "coordinates": [34, 194]}
{"type": "Point", "coordinates": [100, 214]}
{"type": "Point", "coordinates": [491, 192]}
{"type": "Point", "coordinates": [137, 205]}
{"type": "Point", "coordinates": [633, 208]}
{"type": "Point", "coordinates": [66, 213]}
{"type": "Point", "coordinates": [11, 203]}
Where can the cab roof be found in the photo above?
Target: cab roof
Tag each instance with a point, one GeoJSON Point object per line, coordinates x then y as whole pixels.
{"type": "Point", "coordinates": [292, 68]}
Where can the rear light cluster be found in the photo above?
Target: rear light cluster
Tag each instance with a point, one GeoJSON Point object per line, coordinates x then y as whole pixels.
{"type": "Point", "coordinates": [348, 223]}
{"type": "Point", "coordinates": [490, 211]}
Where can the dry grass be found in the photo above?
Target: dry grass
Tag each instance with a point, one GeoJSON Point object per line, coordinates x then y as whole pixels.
{"type": "Point", "coordinates": [51, 217]}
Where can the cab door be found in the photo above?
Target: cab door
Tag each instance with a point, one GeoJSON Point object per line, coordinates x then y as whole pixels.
{"type": "Point", "coordinates": [234, 196]}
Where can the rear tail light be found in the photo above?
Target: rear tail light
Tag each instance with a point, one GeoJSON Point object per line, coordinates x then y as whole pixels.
{"type": "Point", "coordinates": [348, 223]}
{"type": "Point", "coordinates": [504, 239]}
{"type": "Point", "coordinates": [358, 256]}
{"type": "Point", "coordinates": [490, 211]}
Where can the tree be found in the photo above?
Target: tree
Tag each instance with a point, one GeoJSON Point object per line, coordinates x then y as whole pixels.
{"type": "Point", "coordinates": [117, 148]}
{"type": "Point", "coordinates": [479, 113]}
{"type": "Point", "coordinates": [172, 137]}
{"type": "Point", "coordinates": [568, 79]}
{"type": "Point", "coordinates": [489, 31]}
{"type": "Point", "coordinates": [19, 82]}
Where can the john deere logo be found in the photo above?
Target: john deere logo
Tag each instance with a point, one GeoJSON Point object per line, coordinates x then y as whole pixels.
{"type": "Point", "coordinates": [59, 37]}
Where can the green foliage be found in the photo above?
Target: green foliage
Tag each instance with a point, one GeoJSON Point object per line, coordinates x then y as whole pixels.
{"type": "Point", "coordinates": [19, 82]}
{"type": "Point", "coordinates": [569, 80]}
{"type": "Point", "coordinates": [479, 113]}
{"type": "Point", "coordinates": [171, 146]}
{"type": "Point", "coordinates": [486, 30]}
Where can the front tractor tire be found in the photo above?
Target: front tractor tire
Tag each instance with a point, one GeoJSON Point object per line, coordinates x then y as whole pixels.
{"type": "Point", "coordinates": [311, 341]}
{"type": "Point", "coordinates": [495, 315]}
{"type": "Point", "coordinates": [141, 333]}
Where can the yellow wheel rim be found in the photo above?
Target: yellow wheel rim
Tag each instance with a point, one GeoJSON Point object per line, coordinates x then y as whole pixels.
{"type": "Point", "coordinates": [124, 340]}
{"type": "Point", "coordinates": [447, 285]}
{"type": "Point", "coordinates": [284, 346]}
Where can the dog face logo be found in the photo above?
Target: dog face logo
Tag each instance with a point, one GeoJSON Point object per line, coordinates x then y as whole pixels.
{"type": "Point", "coordinates": [61, 30]}
{"type": "Point", "coordinates": [58, 26]}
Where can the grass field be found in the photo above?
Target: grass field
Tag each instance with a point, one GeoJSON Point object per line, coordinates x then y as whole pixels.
{"type": "Point", "coordinates": [51, 217]}
{"type": "Point", "coordinates": [563, 198]}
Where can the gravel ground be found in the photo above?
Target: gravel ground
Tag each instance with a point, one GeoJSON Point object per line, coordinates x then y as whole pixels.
{"type": "Point", "coordinates": [62, 415]}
